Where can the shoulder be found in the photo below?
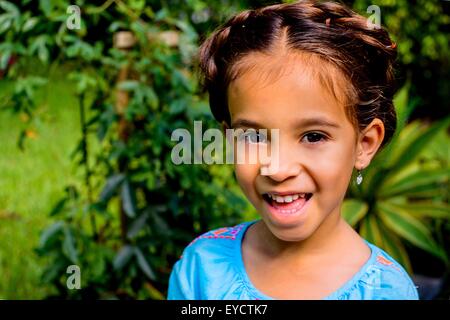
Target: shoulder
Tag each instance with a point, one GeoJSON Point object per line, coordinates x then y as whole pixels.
{"type": "Point", "coordinates": [385, 279]}
{"type": "Point", "coordinates": [205, 260]}
{"type": "Point", "coordinates": [224, 238]}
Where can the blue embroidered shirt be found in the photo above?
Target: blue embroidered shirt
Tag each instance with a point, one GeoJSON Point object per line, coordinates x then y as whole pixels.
{"type": "Point", "coordinates": [211, 268]}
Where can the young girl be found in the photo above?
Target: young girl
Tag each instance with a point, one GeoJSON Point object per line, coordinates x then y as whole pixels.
{"type": "Point", "coordinates": [323, 76]}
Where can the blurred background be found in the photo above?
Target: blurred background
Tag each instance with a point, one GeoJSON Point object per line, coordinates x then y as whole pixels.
{"type": "Point", "coordinates": [89, 97]}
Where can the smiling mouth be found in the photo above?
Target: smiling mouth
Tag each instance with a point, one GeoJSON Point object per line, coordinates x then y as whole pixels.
{"type": "Point", "coordinates": [287, 203]}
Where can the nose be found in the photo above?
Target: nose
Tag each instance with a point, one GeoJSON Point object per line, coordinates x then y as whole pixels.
{"type": "Point", "coordinates": [285, 165]}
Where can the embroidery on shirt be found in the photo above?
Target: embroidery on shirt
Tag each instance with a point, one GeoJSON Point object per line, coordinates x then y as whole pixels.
{"type": "Point", "coordinates": [222, 233]}
{"type": "Point", "coordinates": [386, 262]}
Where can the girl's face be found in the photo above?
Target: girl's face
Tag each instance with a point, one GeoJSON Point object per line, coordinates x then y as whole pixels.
{"type": "Point", "coordinates": [317, 149]}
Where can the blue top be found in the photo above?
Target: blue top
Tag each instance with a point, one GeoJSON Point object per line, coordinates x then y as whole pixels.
{"type": "Point", "coordinates": [211, 268]}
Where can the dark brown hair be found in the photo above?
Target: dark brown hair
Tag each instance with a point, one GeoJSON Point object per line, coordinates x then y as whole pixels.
{"type": "Point", "coordinates": [326, 30]}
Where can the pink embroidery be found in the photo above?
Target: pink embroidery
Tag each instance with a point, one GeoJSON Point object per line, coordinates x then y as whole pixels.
{"type": "Point", "coordinates": [385, 261]}
{"type": "Point", "coordinates": [222, 233]}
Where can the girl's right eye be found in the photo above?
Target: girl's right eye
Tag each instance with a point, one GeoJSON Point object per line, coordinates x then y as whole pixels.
{"type": "Point", "coordinates": [252, 136]}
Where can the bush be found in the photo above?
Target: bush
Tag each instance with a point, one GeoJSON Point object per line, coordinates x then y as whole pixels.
{"type": "Point", "coordinates": [137, 210]}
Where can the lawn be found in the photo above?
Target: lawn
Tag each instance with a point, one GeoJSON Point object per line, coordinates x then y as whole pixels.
{"type": "Point", "coordinates": [31, 181]}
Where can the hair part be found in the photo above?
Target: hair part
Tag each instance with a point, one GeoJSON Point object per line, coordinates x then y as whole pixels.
{"type": "Point", "coordinates": [357, 60]}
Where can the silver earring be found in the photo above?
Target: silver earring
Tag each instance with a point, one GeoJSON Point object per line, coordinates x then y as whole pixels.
{"type": "Point", "coordinates": [359, 178]}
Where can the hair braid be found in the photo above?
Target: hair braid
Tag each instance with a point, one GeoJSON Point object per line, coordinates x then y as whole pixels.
{"type": "Point", "coordinates": [365, 54]}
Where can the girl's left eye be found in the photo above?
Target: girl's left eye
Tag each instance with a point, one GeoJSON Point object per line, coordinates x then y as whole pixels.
{"type": "Point", "coordinates": [314, 137]}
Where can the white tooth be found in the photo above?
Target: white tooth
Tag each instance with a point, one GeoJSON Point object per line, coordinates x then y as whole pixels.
{"type": "Point", "coordinates": [288, 199]}
{"type": "Point", "coordinates": [295, 197]}
{"type": "Point", "coordinates": [280, 199]}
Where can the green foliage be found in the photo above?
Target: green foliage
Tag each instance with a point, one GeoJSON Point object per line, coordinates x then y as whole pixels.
{"type": "Point", "coordinates": [405, 190]}
{"type": "Point", "coordinates": [137, 210]}
{"type": "Point", "coordinates": [420, 29]}
{"type": "Point", "coordinates": [403, 20]}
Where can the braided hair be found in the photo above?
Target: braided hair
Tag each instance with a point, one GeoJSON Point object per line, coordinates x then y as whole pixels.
{"type": "Point", "coordinates": [329, 31]}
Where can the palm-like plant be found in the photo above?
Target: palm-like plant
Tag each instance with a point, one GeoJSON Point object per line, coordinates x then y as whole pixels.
{"type": "Point", "coordinates": [401, 194]}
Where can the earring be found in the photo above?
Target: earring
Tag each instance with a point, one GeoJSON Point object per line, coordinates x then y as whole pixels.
{"type": "Point", "coordinates": [359, 178]}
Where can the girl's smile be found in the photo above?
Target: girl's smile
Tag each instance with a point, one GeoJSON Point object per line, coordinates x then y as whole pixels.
{"type": "Point", "coordinates": [288, 206]}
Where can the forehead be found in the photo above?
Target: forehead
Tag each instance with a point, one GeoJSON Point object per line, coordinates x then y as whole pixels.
{"type": "Point", "coordinates": [285, 88]}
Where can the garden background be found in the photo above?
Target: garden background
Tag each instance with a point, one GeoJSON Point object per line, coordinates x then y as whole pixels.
{"type": "Point", "coordinates": [86, 118]}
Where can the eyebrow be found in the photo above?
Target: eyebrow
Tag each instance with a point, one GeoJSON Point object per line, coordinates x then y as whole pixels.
{"type": "Point", "coordinates": [309, 122]}
{"type": "Point", "coordinates": [245, 123]}
{"type": "Point", "coordinates": [321, 122]}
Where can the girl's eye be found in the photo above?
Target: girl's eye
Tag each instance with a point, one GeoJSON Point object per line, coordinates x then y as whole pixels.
{"type": "Point", "coordinates": [254, 137]}
{"type": "Point", "coordinates": [314, 137]}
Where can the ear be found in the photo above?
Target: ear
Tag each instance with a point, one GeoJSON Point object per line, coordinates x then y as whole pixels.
{"type": "Point", "coordinates": [369, 142]}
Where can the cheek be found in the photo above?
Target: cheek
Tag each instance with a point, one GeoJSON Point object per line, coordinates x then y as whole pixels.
{"type": "Point", "coordinates": [334, 168]}
{"type": "Point", "coordinates": [246, 175]}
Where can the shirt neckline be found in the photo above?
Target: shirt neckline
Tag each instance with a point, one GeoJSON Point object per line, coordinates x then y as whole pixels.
{"type": "Point", "coordinates": [259, 295]}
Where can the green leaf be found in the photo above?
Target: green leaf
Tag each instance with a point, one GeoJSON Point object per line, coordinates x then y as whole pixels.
{"type": "Point", "coordinates": [143, 264]}
{"type": "Point", "coordinates": [45, 6]}
{"type": "Point", "coordinates": [123, 257]}
{"type": "Point", "coordinates": [137, 225]}
{"type": "Point", "coordinates": [10, 19]}
{"type": "Point", "coordinates": [4, 59]}
{"type": "Point", "coordinates": [137, 5]}
{"type": "Point", "coordinates": [128, 85]}
{"type": "Point", "coordinates": [128, 199]}
{"type": "Point", "coordinates": [29, 24]}
{"type": "Point", "coordinates": [422, 209]}
{"type": "Point", "coordinates": [155, 294]}
{"type": "Point", "coordinates": [401, 105]}
{"type": "Point", "coordinates": [409, 228]}
{"type": "Point", "coordinates": [50, 232]}
{"type": "Point", "coordinates": [354, 210]}
{"type": "Point", "coordinates": [6, 21]}
{"type": "Point", "coordinates": [401, 140]}
{"type": "Point", "coordinates": [151, 97]}
{"type": "Point", "coordinates": [98, 264]}
{"type": "Point", "coordinates": [39, 45]}
{"type": "Point", "coordinates": [115, 26]}
{"type": "Point", "coordinates": [159, 223]}
{"type": "Point", "coordinates": [69, 246]}
{"type": "Point", "coordinates": [54, 271]}
{"type": "Point", "coordinates": [418, 144]}
{"type": "Point", "coordinates": [418, 181]}
{"type": "Point", "coordinates": [370, 230]}
{"type": "Point", "coordinates": [112, 184]}
{"type": "Point", "coordinates": [58, 207]}
{"type": "Point", "coordinates": [21, 140]}
{"type": "Point", "coordinates": [9, 7]}
{"type": "Point", "coordinates": [177, 106]}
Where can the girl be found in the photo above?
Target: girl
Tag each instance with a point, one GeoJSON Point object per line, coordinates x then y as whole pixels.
{"type": "Point", "coordinates": [323, 76]}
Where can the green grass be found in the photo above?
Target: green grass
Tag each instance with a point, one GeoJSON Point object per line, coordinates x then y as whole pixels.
{"type": "Point", "coordinates": [31, 182]}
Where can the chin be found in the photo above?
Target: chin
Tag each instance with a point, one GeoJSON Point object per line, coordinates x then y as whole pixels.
{"type": "Point", "coordinates": [289, 234]}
